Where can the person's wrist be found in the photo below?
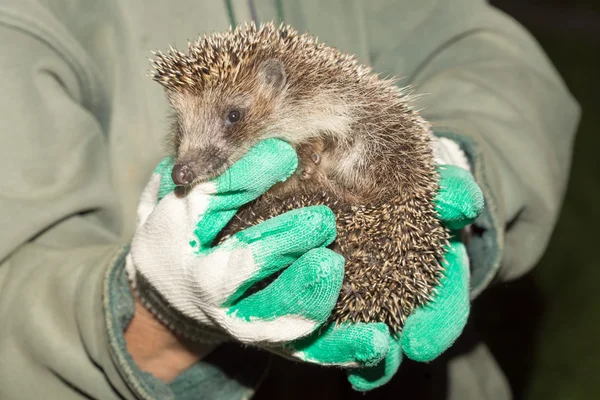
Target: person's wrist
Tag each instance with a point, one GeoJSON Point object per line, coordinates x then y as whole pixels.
{"type": "Point", "coordinates": [157, 350]}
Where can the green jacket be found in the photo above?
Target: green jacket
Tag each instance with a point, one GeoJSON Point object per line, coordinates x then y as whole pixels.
{"type": "Point", "coordinates": [82, 128]}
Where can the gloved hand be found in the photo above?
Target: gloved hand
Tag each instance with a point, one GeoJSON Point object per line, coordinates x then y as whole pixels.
{"type": "Point", "coordinates": [432, 328]}
{"type": "Point", "coordinates": [198, 290]}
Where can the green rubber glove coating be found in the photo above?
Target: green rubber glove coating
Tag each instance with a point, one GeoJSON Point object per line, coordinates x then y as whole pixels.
{"type": "Point", "coordinates": [281, 240]}
{"type": "Point", "coordinates": [366, 344]}
{"type": "Point", "coordinates": [459, 200]}
{"type": "Point", "coordinates": [318, 274]}
{"type": "Point", "coordinates": [267, 163]}
{"type": "Point", "coordinates": [432, 328]}
{"type": "Point", "coordinates": [365, 379]}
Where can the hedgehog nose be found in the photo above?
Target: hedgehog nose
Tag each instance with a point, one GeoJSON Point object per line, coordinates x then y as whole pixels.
{"type": "Point", "coordinates": [182, 175]}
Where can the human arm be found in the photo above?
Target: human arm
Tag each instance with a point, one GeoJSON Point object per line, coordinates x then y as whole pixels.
{"type": "Point", "coordinates": [64, 297]}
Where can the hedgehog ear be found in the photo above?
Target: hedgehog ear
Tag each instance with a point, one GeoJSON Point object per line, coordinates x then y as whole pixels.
{"type": "Point", "coordinates": [272, 74]}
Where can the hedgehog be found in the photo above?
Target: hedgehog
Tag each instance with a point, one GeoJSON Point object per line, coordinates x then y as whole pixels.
{"type": "Point", "coordinates": [363, 151]}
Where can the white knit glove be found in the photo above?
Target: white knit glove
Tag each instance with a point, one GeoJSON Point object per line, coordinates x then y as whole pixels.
{"type": "Point", "coordinates": [199, 290]}
{"type": "Point", "coordinates": [448, 152]}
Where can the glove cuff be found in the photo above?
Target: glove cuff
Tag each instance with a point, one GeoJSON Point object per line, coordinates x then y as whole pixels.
{"type": "Point", "coordinates": [178, 323]}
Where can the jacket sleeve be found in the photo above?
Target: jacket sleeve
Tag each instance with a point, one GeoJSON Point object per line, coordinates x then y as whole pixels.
{"type": "Point", "coordinates": [64, 298]}
{"type": "Point", "coordinates": [483, 81]}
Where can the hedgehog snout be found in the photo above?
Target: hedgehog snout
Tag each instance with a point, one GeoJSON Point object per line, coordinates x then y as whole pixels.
{"type": "Point", "coordinates": [182, 174]}
{"type": "Point", "coordinates": [199, 165]}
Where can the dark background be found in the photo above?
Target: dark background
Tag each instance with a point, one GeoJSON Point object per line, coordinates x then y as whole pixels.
{"type": "Point", "coordinates": [544, 329]}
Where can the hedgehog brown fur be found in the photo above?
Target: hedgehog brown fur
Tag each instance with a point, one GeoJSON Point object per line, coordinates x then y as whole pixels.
{"type": "Point", "coordinates": [363, 151]}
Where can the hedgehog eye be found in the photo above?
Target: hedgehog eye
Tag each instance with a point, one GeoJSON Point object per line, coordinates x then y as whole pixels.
{"type": "Point", "coordinates": [233, 116]}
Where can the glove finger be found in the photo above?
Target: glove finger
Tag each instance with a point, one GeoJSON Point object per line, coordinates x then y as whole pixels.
{"type": "Point", "coordinates": [265, 164]}
{"type": "Point", "coordinates": [294, 305]}
{"type": "Point", "coordinates": [274, 244]}
{"type": "Point", "coordinates": [345, 345]}
{"type": "Point", "coordinates": [155, 189]}
{"type": "Point", "coordinates": [269, 162]}
{"type": "Point", "coordinates": [459, 200]}
{"type": "Point", "coordinates": [434, 327]}
{"type": "Point", "coordinates": [369, 378]}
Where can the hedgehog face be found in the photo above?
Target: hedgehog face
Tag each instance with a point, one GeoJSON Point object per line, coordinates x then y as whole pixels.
{"type": "Point", "coordinates": [214, 127]}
